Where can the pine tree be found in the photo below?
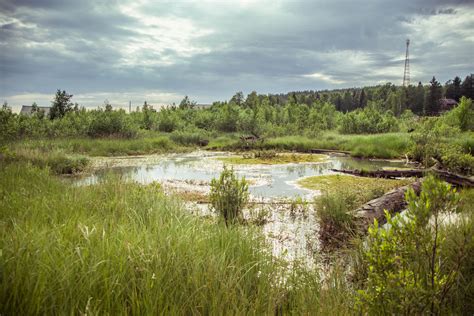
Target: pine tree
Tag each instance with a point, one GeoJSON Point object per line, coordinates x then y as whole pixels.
{"type": "Point", "coordinates": [362, 99]}
{"type": "Point", "coordinates": [60, 105]}
{"type": "Point", "coordinates": [457, 88]}
{"type": "Point", "coordinates": [419, 100]}
{"type": "Point", "coordinates": [467, 87]}
{"type": "Point", "coordinates": [432, 100]}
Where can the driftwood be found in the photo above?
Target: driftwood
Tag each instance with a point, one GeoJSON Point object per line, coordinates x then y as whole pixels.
{"type": "Point", "coordinates": [449, 177]}
{"type": "Point", "coordinates": [394, 201]}
{"type": "Point", "coordinates": [328, 151]}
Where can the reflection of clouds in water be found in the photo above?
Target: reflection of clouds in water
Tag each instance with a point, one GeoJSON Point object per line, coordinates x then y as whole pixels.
{"type": "Point", "coordinates": [268, 181]}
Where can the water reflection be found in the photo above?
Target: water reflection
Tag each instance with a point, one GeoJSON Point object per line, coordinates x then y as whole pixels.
{"type": "Point", "coordinates": [267, 180]}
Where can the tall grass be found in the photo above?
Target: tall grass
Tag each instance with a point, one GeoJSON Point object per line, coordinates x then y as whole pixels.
{"type": "Point", "coordinates": [389, 145]}
{"type": "Point", "coordinates": [105, 146]}
{"type": "Point", "coordinates": [56, 160]}
{"type": "Point", "coordinates": [123, 248]}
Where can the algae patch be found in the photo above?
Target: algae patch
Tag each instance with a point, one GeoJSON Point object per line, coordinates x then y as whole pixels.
{"type": "Point", "coordinates": [278, 159]}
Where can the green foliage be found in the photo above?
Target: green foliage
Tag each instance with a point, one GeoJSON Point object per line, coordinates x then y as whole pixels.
{"type": "Point", "coordinates": [370, 120]}
{"type": "Point", "coordinates": [167, 120]}
{"type": "Point", "coordinates": [111, 123]}
{"type": "Point", "coordinates": [415, 265]}
{"type": "Point", "coordinates": [60, 105]}
{"type": "Point", "coordinates": [433, 97]}
{"type": "Point", "coordinates": [229, 195]}
{"type": "Point", "coordinates": [8, 124]}
{"type": "Point", "coordinates": [437, 141]}
{"type": "Point", "coordinates": [462, 116]}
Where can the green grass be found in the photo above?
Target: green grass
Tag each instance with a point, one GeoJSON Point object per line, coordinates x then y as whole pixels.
{"type": "Point", "coordinates": [389, 145]}
{"type": "Point", "coordinates": [282, 158]}
{"type": "Point", "coordinates": [105, 146]}
{"type": "Point", "coordinates": [122, 248]}
{"type": "Point", "coordinates": [56, 160]}
{"type": "Point", "coordinates": [360, 189]}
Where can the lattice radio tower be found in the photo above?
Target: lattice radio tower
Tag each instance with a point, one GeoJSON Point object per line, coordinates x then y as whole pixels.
{"type": "Point", "coordinates": [406, 73]}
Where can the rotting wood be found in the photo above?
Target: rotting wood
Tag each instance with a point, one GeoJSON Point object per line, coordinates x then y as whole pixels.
{"type": "Point", "coordinates": [393, 201]}
{"type": "Point", "coordinates": [452, 178]}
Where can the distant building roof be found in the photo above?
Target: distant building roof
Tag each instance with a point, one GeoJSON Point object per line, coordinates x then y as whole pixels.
{"type": "Point", "coordinates": [28, 110]}
{"type": "Point", "coordinates": [202, 106]}
{"type": "Point", "coordinates": [447, 104]}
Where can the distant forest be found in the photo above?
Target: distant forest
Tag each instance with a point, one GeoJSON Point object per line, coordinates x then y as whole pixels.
{"type": "Point", "coordinates": [420, 99]}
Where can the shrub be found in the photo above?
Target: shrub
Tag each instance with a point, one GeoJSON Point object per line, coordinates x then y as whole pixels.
{"type": "Point", "coordinates": [229, 196]}
{"type": "Point", "coordinates": [419, 263]}
{"type": "Point", "coordinates": [370, 120]}
{"type": "Point", "coordinates": [433, 141]}
{"type": "Point", "coordinates": [462, 116]}
{"type": "Point", "coordinates": [112, 123]}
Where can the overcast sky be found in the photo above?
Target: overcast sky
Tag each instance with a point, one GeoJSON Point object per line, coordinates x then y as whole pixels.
{"type": "Point", "coordinates": [162, 50]}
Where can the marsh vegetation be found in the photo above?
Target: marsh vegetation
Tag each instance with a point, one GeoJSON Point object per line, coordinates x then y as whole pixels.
{"type": "Point", "coordinates": [188, 230]}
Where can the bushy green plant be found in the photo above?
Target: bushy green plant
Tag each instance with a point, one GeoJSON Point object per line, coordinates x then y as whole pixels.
{"type": "Point", "coordinates": [336, 220]}
{"type": "Point", "coordinates": [229, 195]}
{"type": "Point", "coordinates": [112, 123]}
{"type": "Point", "coordinates": [462, 116]}
{"type": "Point", "coordinates": [369, 120]}
{"type": "Point", "coordinates": [433, 142]}
{"type": "Point", "coordinates": [415, 263]}
{"type": "Point", "coordinates": [8, 124]}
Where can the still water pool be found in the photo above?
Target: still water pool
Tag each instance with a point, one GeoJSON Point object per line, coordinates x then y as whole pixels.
{"type": "Point", "coordinates": [266, 181]}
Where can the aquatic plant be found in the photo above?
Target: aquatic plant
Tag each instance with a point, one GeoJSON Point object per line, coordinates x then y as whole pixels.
{"type": "Point", "coordinates": [229, 195]}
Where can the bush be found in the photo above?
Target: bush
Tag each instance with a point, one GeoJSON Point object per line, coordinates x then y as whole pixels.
{"type": "Point", "coordinates": [229, 196]}
{"type": "Point", "coordinates": [433, 141]}
{"type": "Point", "coordinates": [419, 263]}
{"type": "Point", "coordinates": [368, 121]}
{"type": "Point", "coordinates": [112, 123]}
{"type": "Point", "coordinates": [462, 116]}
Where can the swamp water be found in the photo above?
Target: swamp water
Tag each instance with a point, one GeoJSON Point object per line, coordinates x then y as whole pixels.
{"type": "Point", "coordinates": [291, 229]}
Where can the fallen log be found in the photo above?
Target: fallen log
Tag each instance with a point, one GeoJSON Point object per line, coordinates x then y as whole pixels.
{"type": "Point", "coordinates": [329, 151]}
{"type": "Point", "coordinates": [452, 178]}
{"type": "Point", "coordinates": [393, 201]}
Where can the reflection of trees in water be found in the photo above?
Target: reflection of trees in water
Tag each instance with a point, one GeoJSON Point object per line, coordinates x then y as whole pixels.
{"type": "Point", "coordinates": [300, 170]}
{"type": "Point", "coordinates": [122, 173]}
{"type": "Point", "coordinates": [322, 168]}
{"type": "Point", "coordinates": [361, 163]}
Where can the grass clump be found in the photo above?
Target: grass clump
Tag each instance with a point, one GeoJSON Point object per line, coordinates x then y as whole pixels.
{"type": "Point", "coordinates": [189, 138]}
{"type": "Point", "coordinates": [335, 214]}
{"type": "Point", "coordinates": [124, 248]}
{"type": "Point", "coordinates": [57, 161]}
{"type": "Point", "coordinates": [360, 189]}
{"type": "Point", "coordinates": [341, 195]}
{"type": "Point", "coordinates": [228, 196]}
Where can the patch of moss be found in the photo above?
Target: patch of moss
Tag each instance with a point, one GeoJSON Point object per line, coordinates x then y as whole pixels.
{"type": "Point", "coordinates": [360, 189]}
{"type": "Point", "coordinates": [193, 196]}
{"type": "Point", "coordinates": [279, 159]}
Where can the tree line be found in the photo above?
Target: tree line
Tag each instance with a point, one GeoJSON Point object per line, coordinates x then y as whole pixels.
{"type": "Point", "coordinates": [378, 109]}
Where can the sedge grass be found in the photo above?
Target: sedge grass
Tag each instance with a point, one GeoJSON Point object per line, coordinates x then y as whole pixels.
{"type": "Point", "coordinates": [123, 248]}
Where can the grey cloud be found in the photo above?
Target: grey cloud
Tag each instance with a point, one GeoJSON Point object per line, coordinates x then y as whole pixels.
{"type": "Point", "coordinates": [94, 46]}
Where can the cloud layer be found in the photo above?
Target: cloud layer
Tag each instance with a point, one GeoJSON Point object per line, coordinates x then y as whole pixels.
{"type": "Point", "coordinates": [144, 50]}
